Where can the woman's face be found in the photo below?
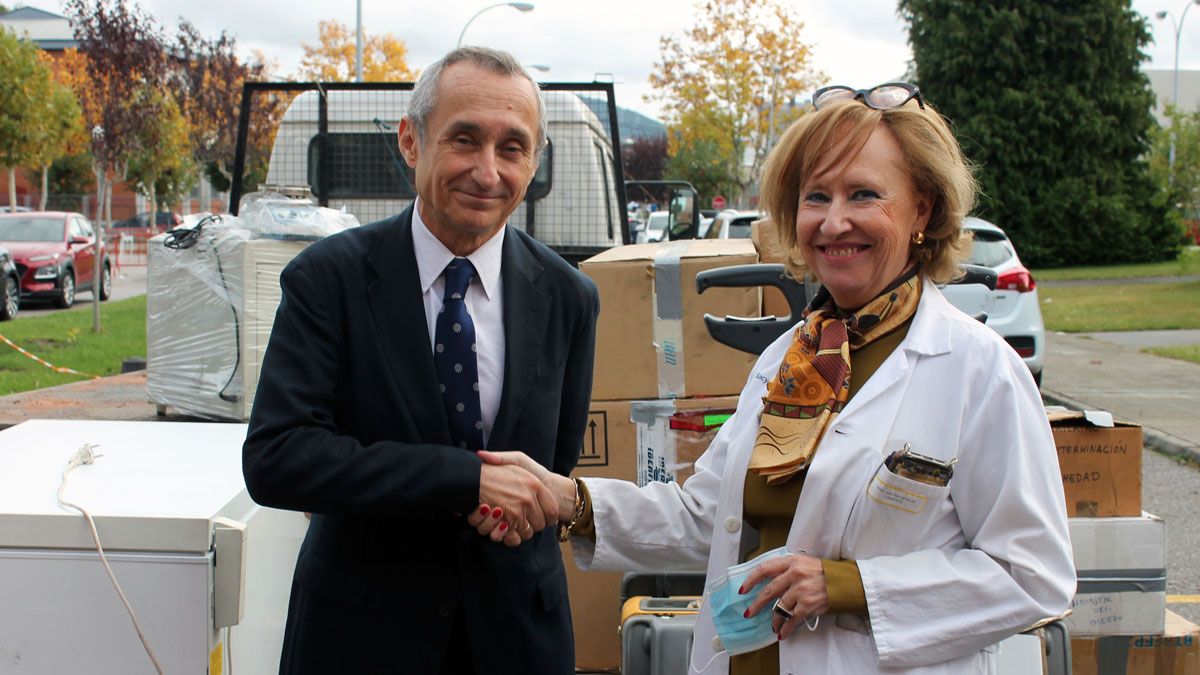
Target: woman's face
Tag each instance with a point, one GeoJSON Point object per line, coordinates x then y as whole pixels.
{"type": "Point", "coordinates": [856, 218]}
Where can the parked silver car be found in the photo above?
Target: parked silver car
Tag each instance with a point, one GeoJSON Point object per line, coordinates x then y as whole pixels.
{"type": "Point", "coordinates": [1012, 309]}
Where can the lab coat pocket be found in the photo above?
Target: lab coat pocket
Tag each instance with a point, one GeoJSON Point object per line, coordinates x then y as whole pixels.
{"type": "Point", "coordinates": [895, 515]}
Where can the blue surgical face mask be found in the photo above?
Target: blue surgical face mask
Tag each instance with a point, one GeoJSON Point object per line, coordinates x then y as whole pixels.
{"type": "Point", "coordinates": [737, 633]}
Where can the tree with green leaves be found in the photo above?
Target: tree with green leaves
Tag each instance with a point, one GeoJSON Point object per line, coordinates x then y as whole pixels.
{"type": "Point", "coordinates": [726, 86]}
{"type": "Point", "coordinates": [25, 89]}
{"type": "Point", "coordinates": [159, 164]}
{"type": "Point", "coordinates": [701, 162]}
{"type": "Point", "coordinates": [1179, 183]}
{"type": "Point", "coordinates": [59, 133]}
{"type": "Point", "coordinates": [1049, 101]}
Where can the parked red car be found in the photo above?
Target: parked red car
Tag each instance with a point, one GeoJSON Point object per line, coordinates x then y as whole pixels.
{"type": "Point", "coordinates": [55, 255]}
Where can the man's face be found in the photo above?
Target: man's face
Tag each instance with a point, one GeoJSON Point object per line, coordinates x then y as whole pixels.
{"type": "Point", "coordinates": [478, 155]}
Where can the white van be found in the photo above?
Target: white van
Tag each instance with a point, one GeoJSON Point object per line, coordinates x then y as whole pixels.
{"type": "Point", "coordinates": [572, 204]}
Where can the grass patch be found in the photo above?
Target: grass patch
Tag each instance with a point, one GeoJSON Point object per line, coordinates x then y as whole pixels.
{"type": "Point", "coordinates": [1183, 352]}
{"type": "Point", "coordinates": [66, 339]}
{"type": "Point", "coordinates": [1187, 264]}
{"type": "Point", "coordinates": [1081, 309]}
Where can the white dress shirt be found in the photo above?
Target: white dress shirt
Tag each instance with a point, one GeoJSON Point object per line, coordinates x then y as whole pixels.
{"type": "Point", "coordinates": [485, 302]}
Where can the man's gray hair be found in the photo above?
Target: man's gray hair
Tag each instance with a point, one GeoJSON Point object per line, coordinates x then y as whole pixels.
{"type": "Point", "coordinates": [424, 94]}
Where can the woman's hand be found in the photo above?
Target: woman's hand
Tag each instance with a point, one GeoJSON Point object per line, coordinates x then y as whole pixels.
{"type": "Point", "coordinates": [797, 583]}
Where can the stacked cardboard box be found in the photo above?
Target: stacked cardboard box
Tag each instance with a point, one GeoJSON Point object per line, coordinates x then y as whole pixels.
{"type": "Point", "coordinates": [1101, 463]}
{"type": "Point", "coordinates": [1173, 651]}
{"type": "Point", "coordinates": [662, 388]}
{"type": "Point", "coordinates": [766, 242]}
{"type": "Point", "coordinates": [1119, 623]}
{"type": "Point", "coordinates": [1122, 569]}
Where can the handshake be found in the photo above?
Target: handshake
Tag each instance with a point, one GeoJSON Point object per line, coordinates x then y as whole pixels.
{"type": "Point", "coordinates": [519, 497]}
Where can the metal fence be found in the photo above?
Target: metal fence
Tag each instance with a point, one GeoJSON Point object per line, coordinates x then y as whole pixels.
{"type": "Point", "coordinates": [340, 141]}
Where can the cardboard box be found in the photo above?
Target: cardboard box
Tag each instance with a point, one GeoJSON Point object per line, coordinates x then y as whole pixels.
{"type": "Point", "coordinates": [1101, 463]}
{"type": "Point", "coordinates": [651, 341]}
{"type": "Point", "coordinates": [613, 448]}
{"type": "Point", "coordinates": [1175, 652]}
{"type": "Point", "coordinates": [766, 242]}
{"type": "Point", "coordinates": [1122, 568]}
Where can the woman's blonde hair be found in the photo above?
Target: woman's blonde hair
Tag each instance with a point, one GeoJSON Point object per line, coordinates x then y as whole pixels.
{"type": "Point", "coordinates": [935, 162]}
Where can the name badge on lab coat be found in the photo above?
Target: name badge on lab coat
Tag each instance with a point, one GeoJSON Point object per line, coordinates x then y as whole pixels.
{"type": "Point", "coordinates": [890, 493]}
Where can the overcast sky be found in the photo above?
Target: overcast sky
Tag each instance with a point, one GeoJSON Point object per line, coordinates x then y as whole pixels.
{"type": "Point", "coordinates": [856, 42]}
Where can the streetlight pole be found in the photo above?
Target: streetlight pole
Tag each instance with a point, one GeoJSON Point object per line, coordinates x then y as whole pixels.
{"type": "Point", "coordinates": [1178, 26]}
{"type": "Point", "coordinates": [358, 46]}
{"type": "Point", "coordinates": [523, 7]}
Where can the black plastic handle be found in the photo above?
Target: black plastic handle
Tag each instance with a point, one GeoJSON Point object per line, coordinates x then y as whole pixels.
{"type": "Point", "coordinates": [754, 334]}
{"type": "Point", "coordinates": [977, 274]}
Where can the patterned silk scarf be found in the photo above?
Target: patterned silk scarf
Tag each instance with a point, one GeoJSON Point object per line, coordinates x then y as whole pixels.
{"type": "Point", "coordinates": [813, 382]}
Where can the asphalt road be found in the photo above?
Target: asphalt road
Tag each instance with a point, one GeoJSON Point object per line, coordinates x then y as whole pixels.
{"type": "Point", "coordinates": [1171, 490]}
{"type": "Point", "coordinates": [129, 282]}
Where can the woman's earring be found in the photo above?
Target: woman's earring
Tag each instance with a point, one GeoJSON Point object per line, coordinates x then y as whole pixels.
{"type": "Point", "coordinates": [918, 237]}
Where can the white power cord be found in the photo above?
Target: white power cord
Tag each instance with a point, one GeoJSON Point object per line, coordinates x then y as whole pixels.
{"type": "Point", "coordinates": [84, 455]}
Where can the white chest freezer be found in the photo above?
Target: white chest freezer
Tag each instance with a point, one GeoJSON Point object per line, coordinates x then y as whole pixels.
{"type": "Point", "coordinates": [192, 552]}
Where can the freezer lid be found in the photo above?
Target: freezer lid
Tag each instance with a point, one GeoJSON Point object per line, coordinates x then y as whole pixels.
{"type": "Point", "coordinates": [156, 486]}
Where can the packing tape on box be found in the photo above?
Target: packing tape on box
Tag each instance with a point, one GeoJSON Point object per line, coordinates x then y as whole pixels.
{"type": "Point", "coordinates": [655, 442]}
{"type": "Point", "coordinates": [1121, 581]}
{"type": "Point", "coordinates": [668, 319]}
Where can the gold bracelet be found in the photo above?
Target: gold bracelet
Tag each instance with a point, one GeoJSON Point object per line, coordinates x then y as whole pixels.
{"type": "Point", "coordinates": [564, 529]}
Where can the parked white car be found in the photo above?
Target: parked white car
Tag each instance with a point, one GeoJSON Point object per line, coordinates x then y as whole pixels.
{"type": "Point", "coordinates": [655, 228]}
{"type": "Point", "coordinates": [732, 224]}
{"type": "Point", "coordinates": [1012, 309]}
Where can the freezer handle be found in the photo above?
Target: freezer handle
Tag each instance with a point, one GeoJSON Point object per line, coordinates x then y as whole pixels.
{"type": "Point", "coordinates": [229, 571]}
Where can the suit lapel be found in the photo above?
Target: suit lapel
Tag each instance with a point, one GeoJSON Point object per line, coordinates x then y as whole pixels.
{"type": "Point", "coordinates": [399, 313]}
{"type": "Point", "coordinates": [526, 315]}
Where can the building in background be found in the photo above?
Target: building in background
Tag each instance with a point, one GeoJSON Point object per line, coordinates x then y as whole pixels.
{"type": "Point", "coordinates": [1161, 83]}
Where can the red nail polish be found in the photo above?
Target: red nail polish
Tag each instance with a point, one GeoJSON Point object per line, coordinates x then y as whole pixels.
{"type": "Point", "coordinates": [503, 526]}
{"type": "Point", "coordinates": [742, 590]}
{"type": "Point", "coordinates": [497, 512]}
{"type": "Point", "coordinates": [746, 614]}
{"type": "Point", "coordinates": [483, 509]}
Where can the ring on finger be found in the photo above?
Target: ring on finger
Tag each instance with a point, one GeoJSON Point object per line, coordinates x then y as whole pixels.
{"type": "Point", "coordinates": [782, 611]}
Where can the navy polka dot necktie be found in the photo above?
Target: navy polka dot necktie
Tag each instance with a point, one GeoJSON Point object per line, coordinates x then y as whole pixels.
{"type": "Point", "coordinates": [454, 358]}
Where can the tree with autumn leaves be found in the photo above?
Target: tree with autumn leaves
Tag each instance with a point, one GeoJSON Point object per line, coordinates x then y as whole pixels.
{"type": "Point", "coordinates": [152, 111]}
{"type": "Point", "coordinates": [332, 59]}
{"type": "Point", "coordinates": [729, 89]}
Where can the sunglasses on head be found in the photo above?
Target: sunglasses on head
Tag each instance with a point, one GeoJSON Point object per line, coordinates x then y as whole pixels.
{"type": "Point", "coordinates": [880, 97]}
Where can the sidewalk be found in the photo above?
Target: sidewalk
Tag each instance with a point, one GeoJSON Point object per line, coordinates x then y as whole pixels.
{"type": "Point", "coordinates": [1159, 393]}
{"type": "Point", "coordinates": [118, 397]}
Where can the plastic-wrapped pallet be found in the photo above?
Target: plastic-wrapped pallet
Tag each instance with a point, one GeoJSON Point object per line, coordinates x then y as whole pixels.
{"type": "Point", "coordinates": [212, 292]}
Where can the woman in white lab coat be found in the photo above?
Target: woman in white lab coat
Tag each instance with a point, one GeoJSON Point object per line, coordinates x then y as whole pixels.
{"type": "Point", "coordinates": [890, 453]}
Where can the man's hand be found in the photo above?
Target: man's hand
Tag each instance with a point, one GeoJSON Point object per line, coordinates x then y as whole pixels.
{"type": "Point", "coordinates": [520, 504]}
{"type": "Point", "coordinates": [562, 487]}
{"type": "Point", "coordinates": [489, 520]}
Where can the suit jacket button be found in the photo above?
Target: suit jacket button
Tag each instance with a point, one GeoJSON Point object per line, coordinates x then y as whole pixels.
{"type": "Point", "coordinates": [446, 609]}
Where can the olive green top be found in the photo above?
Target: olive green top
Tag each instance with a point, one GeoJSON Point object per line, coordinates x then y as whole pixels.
{"type": "Point", "coordinates": [770, 509]}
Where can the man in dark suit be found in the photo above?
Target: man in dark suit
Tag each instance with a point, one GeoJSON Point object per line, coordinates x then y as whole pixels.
{"type": "Point", "coordinates": [399, 349]}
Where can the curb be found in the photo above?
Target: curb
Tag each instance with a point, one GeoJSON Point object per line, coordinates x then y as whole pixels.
{"type": "Point", "coordinates": [1159, 441]}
